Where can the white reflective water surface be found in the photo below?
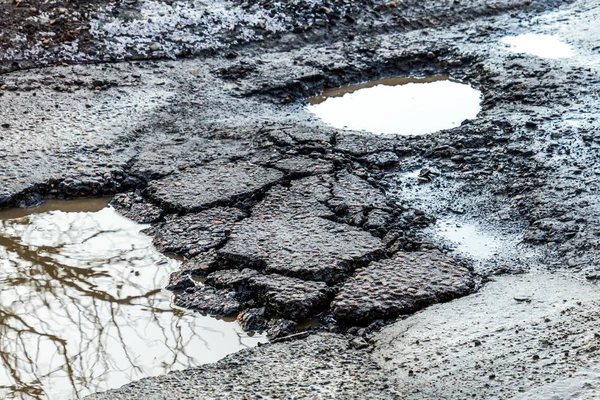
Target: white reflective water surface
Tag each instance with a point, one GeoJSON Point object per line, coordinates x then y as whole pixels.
{"type": "Point", "coordinates": [82, 309]}
{"type": "Point", "coordinates": [470, 239]}
{"type": "Point", "coordinates": [544, 46]}
{"type": "Point", "coordinates": [404, 106]}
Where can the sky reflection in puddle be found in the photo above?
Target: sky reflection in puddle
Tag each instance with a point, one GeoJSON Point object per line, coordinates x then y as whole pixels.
{"type": "Point", "coordinates": [82, 308]}
{"type": "Point", "coordinates": [470, 240]}
{"type": "Point", "coordinates": [544, 46]}
{"type": "Point", "coordinates": [404, 106]}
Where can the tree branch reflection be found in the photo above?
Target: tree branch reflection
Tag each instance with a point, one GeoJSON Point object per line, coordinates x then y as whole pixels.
{"type": "Point", "coordinates": [80, 310]}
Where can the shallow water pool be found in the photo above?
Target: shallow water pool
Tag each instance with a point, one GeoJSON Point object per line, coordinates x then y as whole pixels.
{"type": "Point", "coordinates": [403, 106]}
{"type": "Point", "coordinates": [82, 309]}
{"type": "Point", "coordinates": [544, 46]}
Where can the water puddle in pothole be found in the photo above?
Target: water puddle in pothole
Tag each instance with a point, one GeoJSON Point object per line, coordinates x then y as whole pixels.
{"type": "Point", "coordinates": [404, 106]}
{"type": "Point", "coordinates": [82, 309]}
{"type": "Point", "coordinates": [473, 241]}
{"type": "Point", "coordinates": [544, 46]}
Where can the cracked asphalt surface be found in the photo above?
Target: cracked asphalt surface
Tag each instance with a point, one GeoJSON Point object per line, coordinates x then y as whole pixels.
{"type": "Point", "coordinates": [281, 218]}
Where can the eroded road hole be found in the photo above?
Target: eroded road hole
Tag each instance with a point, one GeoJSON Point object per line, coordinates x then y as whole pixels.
{"type": "Point", "coordinates": [404, 106]}
{"type": "Point", "coordinates": [82, 309]}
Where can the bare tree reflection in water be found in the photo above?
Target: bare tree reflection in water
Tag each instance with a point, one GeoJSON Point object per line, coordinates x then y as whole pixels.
{"type": "Point", "coordinates": [80, 311]}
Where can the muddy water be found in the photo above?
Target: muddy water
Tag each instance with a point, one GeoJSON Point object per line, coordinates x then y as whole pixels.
{"type": "Point", "coordinates": [405, 106]}
{"type": "Point", "coordinates": [544, 46]}
{"type": "Point", "coordinates": [81, 309]}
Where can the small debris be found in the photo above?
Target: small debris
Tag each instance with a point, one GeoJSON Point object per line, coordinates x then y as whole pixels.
{"type": "Point", "coordinates": [523, 299]}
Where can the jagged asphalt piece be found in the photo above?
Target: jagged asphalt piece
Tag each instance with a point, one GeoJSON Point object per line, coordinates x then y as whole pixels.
{"type": "Point", "coordinates": [310, 248]}
{"type": "Point", "coordinates": [409, 281]}
{"type": "Point", "coordinates": [281, 296]}
{"type": "Point", "coordinates": [135, 207]}
{"type": "Point", "coordinates": [302, 166]}
{"type": "Point", "coordinates": [161, 159]}
{"type": "Point", "coordinates": [210, 185]}
{"type": "Point", "coordinates": [353, 198]}
{"type": "Point", "coordinates": [196, 233]}
{"type": "Point", "coordinates": [304, 198]}
{"type": "Point", "coordinates": [208, 300]}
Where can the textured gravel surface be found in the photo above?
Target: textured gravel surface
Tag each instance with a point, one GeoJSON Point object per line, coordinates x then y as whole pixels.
{"type": "Point", "coordinates": [321, 367]}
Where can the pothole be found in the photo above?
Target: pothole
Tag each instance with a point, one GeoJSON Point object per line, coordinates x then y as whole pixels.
{"type": "Point", "coordinates": [544, 46]}
{"type": "Point", "coordinates": [404, 106]}
{"type": "Point", "coordinates": [82, 308]}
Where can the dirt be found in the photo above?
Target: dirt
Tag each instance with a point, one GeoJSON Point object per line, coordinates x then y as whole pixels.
{"type": "Point", "coordinates": [38, 33]}
{"type": "Point", "coordinates": [284, 218]}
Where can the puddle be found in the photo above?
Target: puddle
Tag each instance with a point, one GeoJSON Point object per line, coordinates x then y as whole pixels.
{"type": "Point", "coordinates": [81, 309]}
{"type": "Point", "coordinates": [476, 241]}
{"type": "Point", "coordinates": [404, 106]}
{"type": "Point", "coordinates": [494, 244]}
{"type": "Point", "coordinates": [413, 174]}
{"type": "Point", "coordinates": [545, 46]}
{"type": "Point", "coordinates": [469, 239]}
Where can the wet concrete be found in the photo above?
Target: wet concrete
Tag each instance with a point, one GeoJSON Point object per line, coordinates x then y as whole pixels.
{"type": "Point", "coordinates": [221, 150]}
{"type": "Point", "coordinates": [82, 306]}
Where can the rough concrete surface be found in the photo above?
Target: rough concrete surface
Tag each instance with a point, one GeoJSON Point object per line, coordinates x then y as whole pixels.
{"type": "Point", "coordinates": [321, 367]}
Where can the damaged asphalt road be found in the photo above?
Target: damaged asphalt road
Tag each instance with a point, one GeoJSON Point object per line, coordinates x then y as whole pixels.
{"type": "Point", "coordinates": [282, 219]}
